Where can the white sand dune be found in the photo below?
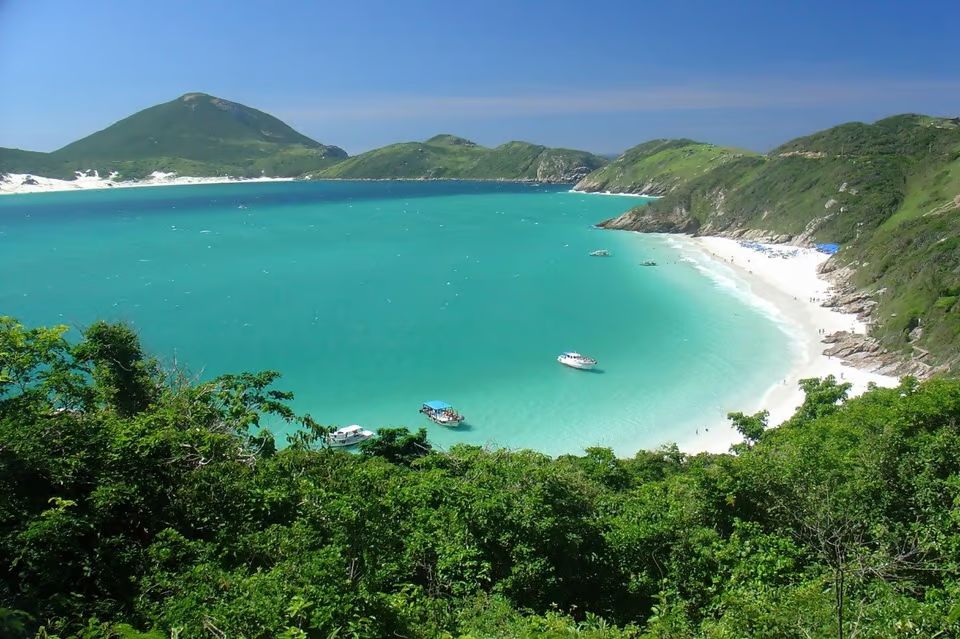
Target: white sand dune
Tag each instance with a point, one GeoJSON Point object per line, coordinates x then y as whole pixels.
{"type": "Point", "coordinates": [20, 183]}
{"type": "Point", "coordinates": [797, 290]}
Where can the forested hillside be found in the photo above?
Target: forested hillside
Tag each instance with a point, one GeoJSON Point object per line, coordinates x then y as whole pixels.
{"type": "Point", "coordinates": [136, 501]}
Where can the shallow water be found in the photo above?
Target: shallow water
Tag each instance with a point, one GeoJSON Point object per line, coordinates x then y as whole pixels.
{"type": "Point", "coordinates": [372, 298]}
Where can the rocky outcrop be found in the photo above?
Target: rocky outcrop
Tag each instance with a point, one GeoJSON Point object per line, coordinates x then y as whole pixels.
{"type": "Point", "coordinates": [598, 183]}
{"type": "Point", "coordinates": [753, 235]}
{"type": "Point", "coordinates": [645, 220]}
{"type": "Point", "coordinates": [865, 352]}
{"type": "Point", "coordinates": [857, 303]}
{"type": "Point", "coordinates": [561, 170]}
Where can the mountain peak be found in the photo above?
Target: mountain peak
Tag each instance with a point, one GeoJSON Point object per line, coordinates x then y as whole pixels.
{"type": "Point", "coordinates": [450, 140]}
{"type": "Point", "coordinates": [196, 126]}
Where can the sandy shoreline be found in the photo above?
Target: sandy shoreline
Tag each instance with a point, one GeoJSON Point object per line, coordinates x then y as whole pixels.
{"type": "Point", "coordinates": [649, 197]}
{"type": "Point", "coordinates": [23, 183]}
{"type": "Point", "coordinates": [795, 288]}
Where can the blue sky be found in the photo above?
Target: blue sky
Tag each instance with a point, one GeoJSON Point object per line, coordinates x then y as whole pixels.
{"type": "Point", "coordinates": [601, 76]}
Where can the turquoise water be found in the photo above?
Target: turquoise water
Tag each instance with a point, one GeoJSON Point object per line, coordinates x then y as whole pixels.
{"type": "Point", "coordinates": [372, 298]}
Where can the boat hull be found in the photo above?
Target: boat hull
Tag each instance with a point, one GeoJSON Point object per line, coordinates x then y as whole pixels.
{"type": "Point", "coordinates": [452, 423]}
{"type": "Point", "coordinates": [579, 365]}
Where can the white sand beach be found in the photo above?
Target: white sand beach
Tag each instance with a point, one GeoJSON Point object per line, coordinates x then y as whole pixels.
{"type": "Point", "coordinates": [649, 197]}
{"type": "Point", "coordinates": [794, 287]}
{"type": "Point", "coordinates": [20, 183]}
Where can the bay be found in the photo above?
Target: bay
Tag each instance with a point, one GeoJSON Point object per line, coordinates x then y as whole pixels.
{"type": "Point", "coordinates": [373, 297]}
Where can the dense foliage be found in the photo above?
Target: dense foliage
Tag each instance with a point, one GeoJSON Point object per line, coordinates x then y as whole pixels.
{"type": "Point", "coordinates": [450, 157]}
{"type": "Point", "coordinates": [136, 501]}
{"type": "Point", "coordinates": [889, 192]}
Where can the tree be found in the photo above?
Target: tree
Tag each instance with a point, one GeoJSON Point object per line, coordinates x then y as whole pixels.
{"type": "Point", "coordinates": [125, 378]}
{"type": "Point", "coordinates": [750, 426]}
{"type": "Point", "coordinates": [821, 397]}
{"type": "Point", "coordinates": [397, 445]}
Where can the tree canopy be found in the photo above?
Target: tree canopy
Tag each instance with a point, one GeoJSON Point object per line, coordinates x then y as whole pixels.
{"type": "Point", "coordinates": [137, 501]}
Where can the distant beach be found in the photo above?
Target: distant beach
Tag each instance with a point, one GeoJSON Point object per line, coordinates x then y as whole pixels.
{"type": "Point", "coordinates": [793, 286]}
{"type": "Point", "coordinates": [21, 183]}
{"type": "Point", "coordinates": [644, 195]}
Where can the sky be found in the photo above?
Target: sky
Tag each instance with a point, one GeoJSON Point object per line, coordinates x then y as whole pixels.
{"type": "Point", "coordinates": [599, 76]}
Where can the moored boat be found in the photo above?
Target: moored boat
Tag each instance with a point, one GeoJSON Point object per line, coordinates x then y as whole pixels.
{"type": "Point", "coordinates": [348, 436]}
{"type": "Point", "coordinates": [648, 263]}
{"type": "Point", "coordinates": [576, 360]}
{"type": "Point", "coordinates": [441, 413]}
{"type": "Point", "coordinates": [600, 253]}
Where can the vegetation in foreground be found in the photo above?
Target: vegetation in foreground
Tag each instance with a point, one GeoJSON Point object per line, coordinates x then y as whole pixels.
{"type": "Point", "coordinates": [138, 502]}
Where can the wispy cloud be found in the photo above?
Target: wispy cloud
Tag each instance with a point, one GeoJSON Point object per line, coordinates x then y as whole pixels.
{"type": "Point", "coordinates": [758, 94]}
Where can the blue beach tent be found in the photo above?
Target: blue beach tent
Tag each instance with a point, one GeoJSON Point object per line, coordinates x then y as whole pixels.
{"type": "Point", "coordinates": [829, 249]}
{"type": "Point", "coordinates": [436, 405]}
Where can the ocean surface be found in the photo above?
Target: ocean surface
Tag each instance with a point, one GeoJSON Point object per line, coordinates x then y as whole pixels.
{"type": "Point", "coordinates": [374, 297]}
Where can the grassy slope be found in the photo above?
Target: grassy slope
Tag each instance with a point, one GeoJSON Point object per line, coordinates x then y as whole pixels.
{"type": "Point", "coordinates": [196, 134]}
{"type": "Point", "coordinates": [449, 157]}
{"type": "Point", "coordinates": [885, 191]}
{"type": "Point", "coordinates": [660, 166]}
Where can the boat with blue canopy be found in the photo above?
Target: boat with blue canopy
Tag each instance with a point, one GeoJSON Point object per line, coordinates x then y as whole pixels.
{"type": "Point", "coordinates": [441, 413]}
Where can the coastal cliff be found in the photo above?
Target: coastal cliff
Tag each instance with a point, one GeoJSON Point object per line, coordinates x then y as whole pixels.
{"type": "Point", "coordinates": [888, 193]}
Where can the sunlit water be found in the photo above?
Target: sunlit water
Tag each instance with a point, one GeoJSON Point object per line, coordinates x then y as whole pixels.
{"type": "Point", "coordinates": [372, 298]}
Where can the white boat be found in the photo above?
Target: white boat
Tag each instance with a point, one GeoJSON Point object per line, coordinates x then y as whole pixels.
{"type": "Point", "coordinates": [348, 436]}
{"type": "Point", "coordinates": [600, 253]}
{"type": "Point", "coordinates": [441, 413]}
{"type": "Point", "coordinates": [576, 360]}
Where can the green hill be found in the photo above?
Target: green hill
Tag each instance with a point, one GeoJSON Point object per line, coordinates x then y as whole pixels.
{"type": "Point", "coordinates": [197, 127]}
{"type": "Point", "coordinates": [196, 134]}
{"type": "Point", "coordinates": [659, 166]}
{"type": "Point", "coordinates": [889, 192]}
{"type": "Point", "coordinates": [202, 135]}
{"type": "Point", "coordinates": [451, 157]}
